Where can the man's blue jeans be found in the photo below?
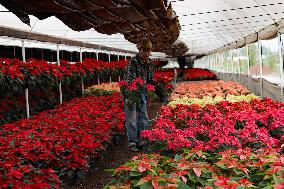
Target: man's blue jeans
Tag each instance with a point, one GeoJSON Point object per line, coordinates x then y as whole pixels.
{"type": "Point", "coordinates": [136, 120]}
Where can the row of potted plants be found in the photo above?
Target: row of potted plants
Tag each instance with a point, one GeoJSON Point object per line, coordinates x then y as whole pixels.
{"type": "Point", "coordinates": [209, 88]}
{"type": "Point", "coordinates": [102, 89]}
{"type": "Point", "coordinates": [42, 80]}
{"type": "Point", "coordinates": [17, 74]}
{"type": "Point", "coordinates": [210, 142]}
{"type": "Point", "coordinates": [195, 74]}
{"type": "Point", "coordinates": [234, 169]}
{"type": "Point", "coordinates": [36, 152]}
{"type": "Point", "coordinates": [212, 100]}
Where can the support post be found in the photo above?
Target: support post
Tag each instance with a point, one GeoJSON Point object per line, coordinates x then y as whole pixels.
{"type": "Point", "coordinates": [239, 65]}
{"type": "Point", "coordinates": [82, 79]}
{"type": "Point", "coordinates": [60, 87]}
{"type": "Point", "coordinates": [281, 53]}
{"type": "Point", "coordinates": [232, 64]}
{"type": "Point", "coordinates": [248, 66]}
{"type": "Point", "coordinates": [260, 67]}
{"type": "Point", "coordinates": [175, 77]}
{"type": "Point", "coordinates": [26, 90]}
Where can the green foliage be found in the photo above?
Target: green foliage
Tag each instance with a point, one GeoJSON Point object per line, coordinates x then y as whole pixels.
{"type": "Point", "coordinates": [197, 169]}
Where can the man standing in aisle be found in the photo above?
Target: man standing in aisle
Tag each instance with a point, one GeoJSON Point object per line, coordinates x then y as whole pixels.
{"type": "Point", "coordinates": [136, 115]}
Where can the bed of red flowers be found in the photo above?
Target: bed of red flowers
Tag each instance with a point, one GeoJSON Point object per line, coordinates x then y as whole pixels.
{"type": "Point", "coordinates": [35, 152]}
{"type": "Point", "coordinates": [39, 76]}
{"type": "Point", "coordinates": [15, 73]}
{"type": "Point", "coordinates": [258, 124]}
{"type": "Point", "coordinates": [198, 74]}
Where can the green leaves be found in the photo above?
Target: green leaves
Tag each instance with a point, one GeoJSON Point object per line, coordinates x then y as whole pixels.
{"type": "Point", "coordinates": [226, 169]}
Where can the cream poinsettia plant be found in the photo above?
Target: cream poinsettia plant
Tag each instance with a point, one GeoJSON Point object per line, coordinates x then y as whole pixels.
{"type": "Point", "coordinates": [213, 100]}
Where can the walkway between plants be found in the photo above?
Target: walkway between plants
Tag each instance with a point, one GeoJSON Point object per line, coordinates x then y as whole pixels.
{"type": "Point", "coordinates": [115, 156]}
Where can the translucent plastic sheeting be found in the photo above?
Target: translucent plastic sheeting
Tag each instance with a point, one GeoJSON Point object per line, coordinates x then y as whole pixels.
{"type": "Point", "coordinates": [224, 62]}
{"type": "Point", "coordinates": [254, 62]}
{"type": "Point", "coordinates": [230, 62]}
{"type": "Point", "coordinates": [271, 60]}
{"type": "Point", "coordinates": [235, 61]}
{"type": "Point", "coordinates": [243, 58]}
{"type": "Point", "coordinates": [221, 62]}
{"type": "Point", "coordinates": [269, 90]}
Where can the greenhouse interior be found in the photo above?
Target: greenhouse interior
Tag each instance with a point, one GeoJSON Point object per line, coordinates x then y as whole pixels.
{"type": "Point", "coordinates": [150, 94]}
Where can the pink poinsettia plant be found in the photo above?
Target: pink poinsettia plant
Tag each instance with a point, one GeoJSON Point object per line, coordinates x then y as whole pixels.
{"type": "Point", "coordinates": [257, 124]}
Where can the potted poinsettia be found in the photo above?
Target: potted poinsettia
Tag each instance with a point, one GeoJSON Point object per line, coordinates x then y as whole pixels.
{"type": "Point", "coordinates": [133, 91]}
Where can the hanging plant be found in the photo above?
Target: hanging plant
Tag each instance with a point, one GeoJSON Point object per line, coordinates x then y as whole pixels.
{"type": "Point", "coordinates": [177, 49]}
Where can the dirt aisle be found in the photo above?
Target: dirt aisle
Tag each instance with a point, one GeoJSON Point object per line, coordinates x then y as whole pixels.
{"type": "Point", "coordinates": [116, 155]}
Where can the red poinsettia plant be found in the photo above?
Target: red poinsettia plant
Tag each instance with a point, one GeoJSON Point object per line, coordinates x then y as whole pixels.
{"type": "Point", "coordinates": [164, 79]}
{"type": "Point", "coordinates": [198, 74]}
{"type": "Point", "coordinates": [34, 152]}
{"type": "Point", "coordinates": [134, 91]}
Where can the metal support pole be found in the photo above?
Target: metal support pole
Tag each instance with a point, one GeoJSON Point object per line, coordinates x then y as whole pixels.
{"type": "Point", "coordinates": [82, 79]}
{"type": "Point", "coordinates": [227, 62]}
{"type": "Point", "coordinates": [232, 64]}
{"type": "Point", "coordinates": [222, 64]}
{"type": "Point", "coordinates": [109, 61]}
{"type": "Point", "coordinates": [81, 55]}
{"type": "Point", "coordinates": [23, 51]}
{"type": "Point", "coordinates": [239, 65]}
{"type": "Point", "coordinates": [97, 55]}
{"type": "Point", "coordinates": [175, 78]}
{"type": "Point", "coordinates": [281, 54]}
{"type": "Point", "coordinates": [98, 80]}
{"type": "Point", "coordinates": [26, 90]}
{"type": "Point", "coordinates": [248, 66]}
{"type": "Point", "coordinates": [260, 67]}
{"type": "Point", "coordinates": [60, 88]}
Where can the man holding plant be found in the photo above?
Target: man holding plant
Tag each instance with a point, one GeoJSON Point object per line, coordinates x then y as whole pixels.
{"type": "Point", "coordinates": [138, 78]}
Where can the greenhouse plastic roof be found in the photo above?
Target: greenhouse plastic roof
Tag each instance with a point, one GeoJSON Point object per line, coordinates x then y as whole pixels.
{"type": "Point", "coordinates": [211, 24]}
{"type": "Point", "coordinates": [206, 25]}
